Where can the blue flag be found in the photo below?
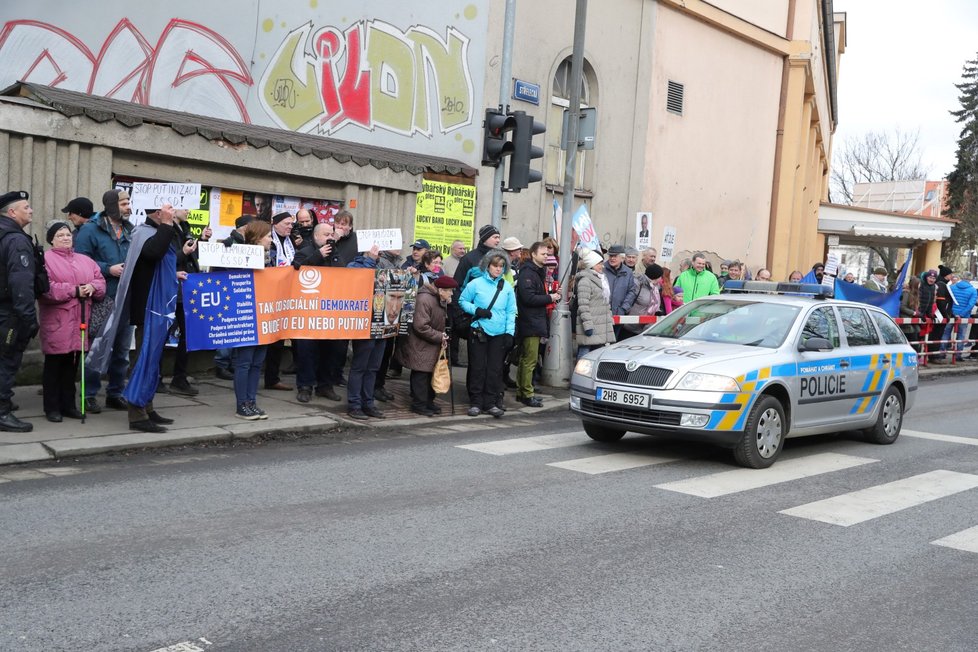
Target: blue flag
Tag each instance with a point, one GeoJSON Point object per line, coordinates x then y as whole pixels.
{"type": "Point", "coordinates": [888, 301]}
{"type": "Point", "coordinates": [161, 307]}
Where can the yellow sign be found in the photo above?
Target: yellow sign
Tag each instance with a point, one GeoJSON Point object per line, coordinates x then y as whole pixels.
{"type": "Point", "coordinates": [445, 212]}
{"type": "Point", "coordinates": [231, 202]}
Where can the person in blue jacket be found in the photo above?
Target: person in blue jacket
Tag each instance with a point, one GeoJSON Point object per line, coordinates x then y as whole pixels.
{"type": "Point", "coordinates": [492, 303]}
{"type": "Point", "coordinates": [965, 296]}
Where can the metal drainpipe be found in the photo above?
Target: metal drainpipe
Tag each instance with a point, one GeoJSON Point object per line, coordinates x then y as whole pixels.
{"type": "Point", "coordinates": [828, 37]}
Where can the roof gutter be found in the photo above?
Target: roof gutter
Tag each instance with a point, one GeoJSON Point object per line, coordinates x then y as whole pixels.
{"type": "Point", "coordinates": [828, 37]}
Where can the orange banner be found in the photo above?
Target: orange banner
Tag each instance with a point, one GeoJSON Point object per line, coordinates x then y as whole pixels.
{"type": "Point", "coordinates": [313, 303]}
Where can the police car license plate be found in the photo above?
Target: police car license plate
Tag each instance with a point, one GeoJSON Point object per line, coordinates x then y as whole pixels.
{"type": "Point", "coordinates": [632, 399]}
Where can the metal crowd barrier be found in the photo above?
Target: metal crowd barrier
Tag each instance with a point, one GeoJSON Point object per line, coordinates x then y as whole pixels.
{"type": "Point", "coordinates": [920, 345]}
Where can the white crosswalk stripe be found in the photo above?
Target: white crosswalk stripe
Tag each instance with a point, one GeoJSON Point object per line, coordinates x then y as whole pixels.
{"type": "Point", "coordinates": [529, 444]}
{"type": "Point", "coordinates": [786, 470]}
{"type": "Point", "coordinates": [880, 500]}
{"type": "Point", "coordinates": [612, 462]}
{"type": "Point", "coordinates": [966, 540]}
{"type": "Point", "coordinates": [951, 439]}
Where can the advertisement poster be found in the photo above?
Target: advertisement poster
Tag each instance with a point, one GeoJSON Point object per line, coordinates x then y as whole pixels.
{"type": "Point", "coordinates": [445, 212]}
{"type": "Point", "coordinates": [643, 231]}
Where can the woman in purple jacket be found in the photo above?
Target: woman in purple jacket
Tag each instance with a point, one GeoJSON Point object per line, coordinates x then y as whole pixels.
{"type": "Point", "coordinates": [73, 277]}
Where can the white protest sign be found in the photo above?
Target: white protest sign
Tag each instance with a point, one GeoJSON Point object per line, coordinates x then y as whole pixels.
{"type": "Point", "coordinates": [385, 239]}
{"type": "Point", "coordinates": [153, 194]}
{"type": "Point", "coordinates": [215, 254]}
{"type": "Point", "coordinates": [831, 269]}
{"type": "Point", "coordinates": [668, 247]}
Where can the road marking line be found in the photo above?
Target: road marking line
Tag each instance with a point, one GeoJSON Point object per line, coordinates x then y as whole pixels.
{"type": "Point", "coordinates": [612, 462]}
{"type": "Point", "coordinates": [953, 439]}
{"type": "Point", "coordinates": [873, 502]}
{"type": "Point", "coordinates": [730, 482]}
{"type": "Point", "coordinates": [966, 540]}
{"type": "Point", "coordinates": [529, 444]}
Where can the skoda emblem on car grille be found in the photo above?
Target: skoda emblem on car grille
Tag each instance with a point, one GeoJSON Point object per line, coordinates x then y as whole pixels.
{"type": "Point", "coordinates": [631, 365]}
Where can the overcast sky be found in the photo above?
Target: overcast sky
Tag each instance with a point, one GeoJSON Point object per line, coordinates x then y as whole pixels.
{"type": "Point", "coordinates": [901, 62]}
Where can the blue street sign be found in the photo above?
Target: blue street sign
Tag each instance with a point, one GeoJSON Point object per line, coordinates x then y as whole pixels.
{"type": "Point", "coordinates": [526, 92]}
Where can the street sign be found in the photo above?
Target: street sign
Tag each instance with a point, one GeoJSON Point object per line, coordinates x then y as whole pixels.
{"type": "Point", "coordinates": [526, 92]}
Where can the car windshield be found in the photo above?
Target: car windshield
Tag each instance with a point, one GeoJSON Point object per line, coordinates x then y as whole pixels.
{"type": "Point", "coordinates": [751, 323]}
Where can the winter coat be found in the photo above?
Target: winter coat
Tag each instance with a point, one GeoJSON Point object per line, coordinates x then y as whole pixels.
{"type": "Point", "coordinates": [98, 241]}
{"type": "Point", "coordinates": [311, 255]}
{"type": "Point", "coordinates": [363, 261]}
{"type": "Point", "coordinates": [17, 256]}
{"type": "Point", "coordinates": [59, 307]}
{"type": "Point", "coordinates": [928, 295]}
{"type": "Point", "coordinates": [912, 331]}
{"type": "Point", "coordinates": [532, 300]}
{"type": "Point", "coordinates": [479, 293]}
{"type": "Point", "coordinates": [593, 311]}
{"type": "Point", "coordinates": [647, 302]}
{"type": "Point", "coordinates": [623, 288]}
{"type": "Point", "coordinates": [470, 260]}
{"type": "Point", "coordinates": [965, 297]}
{"type": "Point", "coordinates": [697, 284]}
{"type": "Point", "coordinates": [151, 255]}
{"type": "Point", "coordinates": [345, 249]}
{"type": "Point", "coordinates": [420, 349]}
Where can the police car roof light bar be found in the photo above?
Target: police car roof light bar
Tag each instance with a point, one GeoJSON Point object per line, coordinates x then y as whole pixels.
{"type": "Point", "coordinates": [773, 287]}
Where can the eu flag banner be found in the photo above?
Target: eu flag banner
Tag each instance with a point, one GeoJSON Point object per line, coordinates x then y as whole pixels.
{"type": "Point", "coordinates": [220, 310]}
{"type": "Point", "coordinates": [888, 301]}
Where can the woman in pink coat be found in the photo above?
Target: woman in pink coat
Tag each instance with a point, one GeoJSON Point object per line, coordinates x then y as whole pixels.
{"type": "Point", "coordinates": [72, 275]}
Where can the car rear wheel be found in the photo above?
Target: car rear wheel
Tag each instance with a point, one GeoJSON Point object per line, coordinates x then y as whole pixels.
{"type": "Point", "coordinates": [601, 433]}
{"type": "Point", "coordinates": [764, 435]}
{"type": "Point", "coordinates": [889, 421]}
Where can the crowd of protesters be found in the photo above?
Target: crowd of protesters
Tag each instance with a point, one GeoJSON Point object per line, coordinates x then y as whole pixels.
{"type": "Point", "coordinates": [103, 272]}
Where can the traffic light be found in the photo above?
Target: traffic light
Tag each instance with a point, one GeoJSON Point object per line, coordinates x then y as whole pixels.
{"type": "Point", "coordinates": [520, 174]}
{"type": "Point", "coordinates": [495, 143]}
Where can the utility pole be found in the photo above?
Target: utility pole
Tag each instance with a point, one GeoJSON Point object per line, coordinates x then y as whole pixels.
{"type": "Point", "coordinates": [559, 357]}
{"type": "Point", "coordinates": [505, 80]}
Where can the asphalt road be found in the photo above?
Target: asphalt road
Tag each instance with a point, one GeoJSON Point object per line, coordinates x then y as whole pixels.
{"type": "Point", "coordinates": [413, 543]}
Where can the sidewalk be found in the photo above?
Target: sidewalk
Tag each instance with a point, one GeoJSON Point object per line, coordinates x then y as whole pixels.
{"type": "Point", "coordinates": [209, 417]}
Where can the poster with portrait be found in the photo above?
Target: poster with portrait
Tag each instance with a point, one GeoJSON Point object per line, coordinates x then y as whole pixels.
{"type": "Point", "coordinates": [643, 231]}
{"type": "Point", "coordinates": [392, 307]}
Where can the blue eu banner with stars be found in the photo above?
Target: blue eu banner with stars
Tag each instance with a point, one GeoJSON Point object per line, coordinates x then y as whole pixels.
{"type": "Point", "coordinates": [220, 310]}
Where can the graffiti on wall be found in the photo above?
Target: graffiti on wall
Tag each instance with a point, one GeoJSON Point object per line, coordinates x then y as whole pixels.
{"type": "Point", "coordinates": [372, 75]}
{"type": "Point", "coordinates": [190, 67]}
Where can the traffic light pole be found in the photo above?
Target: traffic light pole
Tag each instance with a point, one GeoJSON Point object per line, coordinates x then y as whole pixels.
{"type": "Point", "coordinates": [559, 355]}
{"type": "Point", "coordinates": [505, 80]}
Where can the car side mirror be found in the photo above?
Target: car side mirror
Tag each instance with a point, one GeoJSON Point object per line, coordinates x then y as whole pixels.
{"type": "Point", "coordinates": [816, 344]}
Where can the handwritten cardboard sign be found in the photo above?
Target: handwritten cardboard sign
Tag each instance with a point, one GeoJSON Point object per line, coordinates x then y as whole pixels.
{"type": "Point", "coordinates": [154, 194]}
{"type": "Point", "coordinates": [385, 239]}
{"type": "Point", "coordinates": [239, 256]}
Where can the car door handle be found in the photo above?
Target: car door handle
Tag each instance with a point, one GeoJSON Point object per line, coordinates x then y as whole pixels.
{"type": "Point", "coordinates": [844, 364]}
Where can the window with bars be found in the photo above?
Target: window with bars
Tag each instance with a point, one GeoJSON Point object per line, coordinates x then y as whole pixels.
{"type": "Point", "coordinates": [674, 97]}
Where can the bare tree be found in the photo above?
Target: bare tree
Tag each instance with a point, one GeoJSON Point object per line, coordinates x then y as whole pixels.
{"type": "Point", "coordinates": [876, 156]}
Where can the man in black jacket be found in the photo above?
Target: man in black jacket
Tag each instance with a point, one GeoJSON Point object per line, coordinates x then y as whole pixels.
{"type": "Point", "coordinates": [313, 358]}
{"type": "Point", "coordinates": [532, 323]}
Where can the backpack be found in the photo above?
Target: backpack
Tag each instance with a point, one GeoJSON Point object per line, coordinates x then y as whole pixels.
{"type": "Point", "coordinates": [42, 283]}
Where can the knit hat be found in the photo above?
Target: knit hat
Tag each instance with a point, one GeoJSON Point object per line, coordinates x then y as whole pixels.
{"type": "Point", "coordinates": [279, 217]}
{"type": "Point", "coordinates": [931, 272]}
{"type": "Point", "coordinates": [653, 272]}
{"type": "Point", "coordinates": [943, 271]}
{"type": "Point", "coordinates": [551, 261]}
{"type": "Point", "coordinates": [110, 200]}
{"type": "Point", "coordinates": [445, 282]}
{"type": "Point", "coordinates": [591, 258]}
{"type": "Point", "coordinates": [54, 228]}
{"type": "Point", "coordinates": [879, 270]}
{"type": "Point", "coordinates": [487, 232]}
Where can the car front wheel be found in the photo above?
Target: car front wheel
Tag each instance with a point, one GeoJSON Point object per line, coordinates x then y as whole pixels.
{"type": "Point", "coordinates": [601, 433]}
{"type": "Point", "coordinates": [764, 435]}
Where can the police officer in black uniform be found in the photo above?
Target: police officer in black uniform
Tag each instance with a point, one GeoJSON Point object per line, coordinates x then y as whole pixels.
{"type": "Point", "coordinates": [18, 312]}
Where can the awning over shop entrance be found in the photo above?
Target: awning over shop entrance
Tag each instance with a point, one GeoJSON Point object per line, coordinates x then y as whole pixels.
{"type": "Point", "coordinates": [868, 227]}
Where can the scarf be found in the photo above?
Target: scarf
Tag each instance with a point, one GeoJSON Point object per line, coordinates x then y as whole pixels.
{"type": "Point", "coordinates": [605, 288]}
{"type": "Point", "coordinates": [284, 250]}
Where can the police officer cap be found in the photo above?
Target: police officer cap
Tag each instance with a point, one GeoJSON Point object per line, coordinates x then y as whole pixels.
{"type": "Point", "coordinates": [12, 196]}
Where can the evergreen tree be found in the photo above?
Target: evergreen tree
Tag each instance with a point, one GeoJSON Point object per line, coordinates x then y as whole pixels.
{"type": "Point", "coordinates": [963, 180]}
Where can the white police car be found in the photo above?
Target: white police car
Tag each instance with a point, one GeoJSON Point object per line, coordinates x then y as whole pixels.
{"type": "Point", "coordinates": [748, 370]}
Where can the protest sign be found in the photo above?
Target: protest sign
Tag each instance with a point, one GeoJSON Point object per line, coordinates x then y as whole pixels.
{"type": "Point", "coordinates": [385, 239]}
{"type": "Point", "coordinates": [668, 248]}
{"type": "Point", "coordinates": [154, 194]}
{"type": "Point", "coordinates": [444, 212]}
{"type": "Point", "coordinates": [239, 256]}
{"type": "Point", "coordinates": [584, 228]}
{"type": "Point", "coordinates": [643, 231]}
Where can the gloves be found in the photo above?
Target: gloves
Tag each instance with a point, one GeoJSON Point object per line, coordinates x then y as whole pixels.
{"type": "Point", "coordinates": [507, 341]}
{"type": "Point", "coordinates": [32, 331]}
{"type": "Point", "coordinates": [589, 332]}
{"type": "Point", "coordinates": [482, 313]}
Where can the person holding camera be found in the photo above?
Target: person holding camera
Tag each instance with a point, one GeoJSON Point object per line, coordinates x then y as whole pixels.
{"type": "Point", "coordinates": [75, 278]}
{"type": "Point", "coordinates": [492, 303]}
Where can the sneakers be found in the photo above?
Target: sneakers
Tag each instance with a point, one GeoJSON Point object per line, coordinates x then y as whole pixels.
{"type": "Point", "coordinates": [116, 403]}
{"type": "Point", "coordinates": [183, 386]}
{"type": "Point", "coordinates": [247, 412]}
{"type": "Point", "coordinates": [304, 395]}
{"type": "Point", "coordinates": [327, 392]}
{"type": "Point", "coordinates": [495, 412]}
{"type": "Point", "coordinates": [474, 411]}
{"type": "Point", "coordinates": [371, 411]}
{"type": "Point", "coordinates": [359, 415]}
{"type": "Point", "coordinates": [92, 406]}
{"type": "Point", "coordinates": [261, 413]}
{"type": "Point", "coordinates": [10, 423]}
{"type": "Point", "coordinates": [532, 402]}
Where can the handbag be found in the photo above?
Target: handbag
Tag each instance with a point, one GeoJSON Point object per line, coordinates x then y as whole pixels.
{"type": "Point", "coordinates": [100, 312]}
{"type": "Point", "coordinates": [462, 321]}
{"type": "Point", "coordinates": [441, 379]}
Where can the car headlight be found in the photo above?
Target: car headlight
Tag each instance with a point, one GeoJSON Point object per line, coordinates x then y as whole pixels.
{"type": "Point", "coordinates": [708, 383]}
{"type": "Point", "coordinates": [584, 367]}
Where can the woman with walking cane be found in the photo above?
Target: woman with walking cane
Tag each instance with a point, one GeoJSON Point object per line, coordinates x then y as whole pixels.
{"type": "Point", "coordinates": [427, 340]}
{"type": "Point", "coordinates": [75, 278]}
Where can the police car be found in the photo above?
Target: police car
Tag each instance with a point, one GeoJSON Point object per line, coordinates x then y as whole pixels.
{"type": "Point", "coordinates": [749, 368]}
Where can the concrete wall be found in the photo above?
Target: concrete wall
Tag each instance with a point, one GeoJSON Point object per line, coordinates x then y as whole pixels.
{"type": "Point", "coordinates": [771, 15]}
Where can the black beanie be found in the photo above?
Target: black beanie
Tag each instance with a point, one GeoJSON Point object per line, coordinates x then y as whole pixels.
{"type": "Point", "coordinates": [284, 215]}
{"type": "Point", "coordinates": [943, 270]}
{"type": "Point", "coordinates": [111, 202]}
{"type": "Point", "coordinates": [487, 232]}
{"type": "Point", "coordinates": [54, 228]}
{"type": "Point", "coordinates": [653, 271]}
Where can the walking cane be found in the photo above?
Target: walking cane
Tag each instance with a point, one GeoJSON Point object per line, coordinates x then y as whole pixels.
{"type": "Point", "coordinates": [83, 327]}
{"type": "Point", "coordinates": [451, 384]}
